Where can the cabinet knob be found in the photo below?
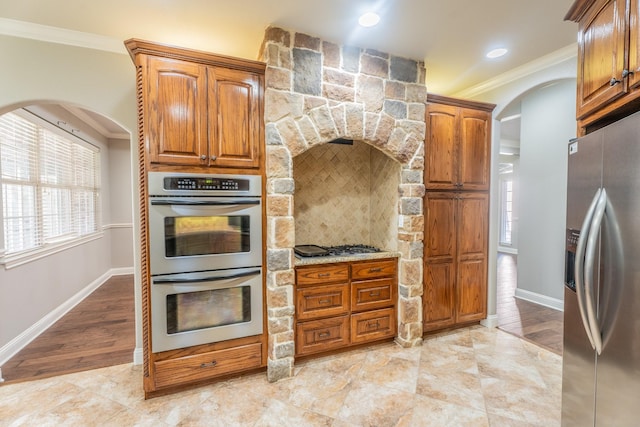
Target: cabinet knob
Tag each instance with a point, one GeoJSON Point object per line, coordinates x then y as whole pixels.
{"type": "Point", "coordinates": [212, 158]}
{"type": "Point", "coordinates": [613, 81]}
{"type": "Point", "coordinates": [203, 157]}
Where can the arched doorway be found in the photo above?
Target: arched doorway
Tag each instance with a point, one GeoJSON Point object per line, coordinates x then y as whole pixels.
{"type": "Point", "coordinates": [45, 282]}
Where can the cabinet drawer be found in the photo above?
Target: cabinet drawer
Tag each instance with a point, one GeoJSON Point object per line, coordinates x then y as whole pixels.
{"type": "Point", "coordinates": [373, 325]}
{"type": "Point", "coordinates": [199, 367]}
{"type": "Point", "coordinates": [371, 294]}
{"type": "Point", "coordinates": [373, 269]}
{"type": "Point", "coordinates": [322, 301]}
{"type": "Point", "coordinates": [321, 335]}
{"type": "Point", "coordinates": [324, 274]}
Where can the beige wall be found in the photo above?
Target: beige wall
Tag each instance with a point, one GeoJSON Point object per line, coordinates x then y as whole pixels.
{"type": "Point", "coordinates": [34, 71]}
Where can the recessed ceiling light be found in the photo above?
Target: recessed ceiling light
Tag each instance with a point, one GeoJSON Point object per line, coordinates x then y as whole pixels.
{"type": "Point", "coordinates": [369, 19]}
{"type": "Point", "coordinates": [496, 53]}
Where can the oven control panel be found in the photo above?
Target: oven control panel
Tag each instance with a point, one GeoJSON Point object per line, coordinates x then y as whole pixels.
{"type": "Point", "coordinates": [188, 184]}
{"type": "Point", "coordinates": [199, 183]}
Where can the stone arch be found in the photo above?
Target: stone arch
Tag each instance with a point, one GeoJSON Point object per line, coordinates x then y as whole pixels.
{"type": "Point", "coordinates": [317, 92]}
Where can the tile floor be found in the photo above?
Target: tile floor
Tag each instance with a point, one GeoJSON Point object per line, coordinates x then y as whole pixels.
{"type": "Point", "coordinates": [469, 377]}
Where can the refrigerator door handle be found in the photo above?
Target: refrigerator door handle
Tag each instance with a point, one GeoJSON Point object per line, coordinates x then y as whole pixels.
{"type": "Point", "coordinates": [589, 261]}
{"type": "Point", "coordinates": [579, 265]}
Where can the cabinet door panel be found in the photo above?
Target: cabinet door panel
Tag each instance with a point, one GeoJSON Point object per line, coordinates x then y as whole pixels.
{"type": "Point", "coordinates": [601, 56]}
{"type": "Point", "coordinates": [176, 112]}
{"type": "Point", "coordinates": [234, 114]}
{"type": "Point", "coordinates": [471, 291]}
{"type": "Point", "coordinates": [442, 136]}
{"type": "Point", "coordinates": [472, 225]}
{"type": "Point", "coordinates": [370, 294]}
{"type": "Point", "coordinates": [634, 44]}
{"type": "Point", "coordinates": [322, 335]}
{"type": "Point", "coordinates": [322, 301]}
{"type": "Point", "coordinates": [440, 234]}
{"type": "Point", "coordinates": [373, 325]}
{"type": "Point", "coordinates": [438, 300]}
{"type": "Point", "coordinates": [474, 152]}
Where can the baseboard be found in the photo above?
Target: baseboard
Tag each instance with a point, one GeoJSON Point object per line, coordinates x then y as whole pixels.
{"type": "Point", "coordinates": [490, 322]}
{"type": "Point", "coordinates": [18, 343]}
{"type": "Point", "coordinates": [540, 299]}
{"type": "Point", "coordinates": [508, 250]}
{"type": "Point", "coordinates": [138, 356]}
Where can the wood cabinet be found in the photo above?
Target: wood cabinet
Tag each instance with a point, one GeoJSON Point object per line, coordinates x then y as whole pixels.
{"type": "Point", "coordinates": [458, 144]}
{"type": "Point", "coordinates": [197, 112]}
{"type": "Point", "coordinates": [343, 304]}
{"type": "Point", "coordinates": [455, 259]}
{"type": "Point", "coordinates": [200, 109]}
{"type": "Point", "coordinates": [608, 74]}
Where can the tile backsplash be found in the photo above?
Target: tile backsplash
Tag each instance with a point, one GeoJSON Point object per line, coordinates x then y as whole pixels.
{"type": "Point", "coordinates": [346, 194]}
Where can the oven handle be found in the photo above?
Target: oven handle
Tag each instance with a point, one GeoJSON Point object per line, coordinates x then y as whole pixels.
{"type": "Point", "coordinates": [168, 202]}
{"type": "Point", "coordinates": [206, 279]}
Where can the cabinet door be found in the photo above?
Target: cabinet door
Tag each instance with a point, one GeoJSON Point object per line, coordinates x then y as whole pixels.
{"type": "Point", "coordinates": [234, 118]}
{"type": "Point", "coordinates": [441, 170]}
{"type": "Point", "coordinates": [474, 150]}
{"type": "Point", "coordinates": [472, 223]}
{"type": "Point", "coordinates": [176, 112]}
{"type": "Point", "coordinates": [601, 41]}
{"type": "Point", "coordinates": [634, 44]}
{"type": "Point", "coordinates": [439, 261]}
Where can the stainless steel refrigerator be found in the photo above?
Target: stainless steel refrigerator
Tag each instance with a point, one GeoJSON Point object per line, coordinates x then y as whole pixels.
{"type": "Point", "coordinates": [601, 359]}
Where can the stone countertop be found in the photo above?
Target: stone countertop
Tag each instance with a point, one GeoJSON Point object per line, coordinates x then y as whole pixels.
{"type": "Point", "coordinates": [299, 261]}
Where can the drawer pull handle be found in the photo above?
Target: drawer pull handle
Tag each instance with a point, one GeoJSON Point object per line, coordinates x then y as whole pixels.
{"type": "Point", "coordinates": [324, 274]}
{"type": "Point", "coordinates": [374, 294]}
{"type": "Point", "coordinates": [371, 325]}
{"type": "Point", "coordinates": [209, 365]}
{"type": "Point", "coordinates": [324, 301]}
{"type": "Point", "coordinates": [375, 270]}
{"type": "Point", "coordinates": [324, 334]}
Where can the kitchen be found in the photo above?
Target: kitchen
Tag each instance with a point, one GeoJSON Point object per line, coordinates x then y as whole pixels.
{"type": "Point", "coordinates": [124, 119]}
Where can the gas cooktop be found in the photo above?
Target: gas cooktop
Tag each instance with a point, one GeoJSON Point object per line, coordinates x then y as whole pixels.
{"type": "Point", "coordinates": [342, 250]}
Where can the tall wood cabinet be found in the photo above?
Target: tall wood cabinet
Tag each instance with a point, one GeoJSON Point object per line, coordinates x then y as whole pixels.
{"type": "Point", "coordinates": [455, 279]}
{"type": "Point", "coordinates": [608, 74]}
{"type": "Point", "coordinates": [456, 209]}
{"type": "Point", "coordinates": [202, 113]}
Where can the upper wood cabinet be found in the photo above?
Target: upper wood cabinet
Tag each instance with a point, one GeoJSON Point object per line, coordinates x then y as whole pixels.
{"type": "Point", "coordinates": [199, 109]}
{"type": "Point", "coordinates": [458, 144]}
{"type": "Point", "coordinates": [608, 57]}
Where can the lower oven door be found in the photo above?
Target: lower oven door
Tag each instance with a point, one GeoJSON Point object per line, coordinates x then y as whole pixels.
{"type": "Point", "coordinates": [204, 233]}
{"type": "Point", "coordinates": [189, 309]}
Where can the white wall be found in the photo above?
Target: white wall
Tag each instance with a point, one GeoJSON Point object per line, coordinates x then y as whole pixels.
{"type": "Point", "coordinates": [502, 95]}
{"type": "Point", "coordinates": [104, 82]}
{"type": "Point", "coordinates": [548, 122]}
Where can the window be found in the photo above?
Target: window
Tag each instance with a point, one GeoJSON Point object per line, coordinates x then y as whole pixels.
{"type": "Point", "coordinates": [50, 184]}
{"type": "Point", "coordinates": [506, 211]}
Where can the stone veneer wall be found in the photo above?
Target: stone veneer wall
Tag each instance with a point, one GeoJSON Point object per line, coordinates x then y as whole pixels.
{"type": "Point", "coordinates": [317, 91]}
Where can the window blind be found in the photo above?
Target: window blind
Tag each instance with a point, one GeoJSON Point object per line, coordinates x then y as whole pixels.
{"type": "Point", "coordinates": [50, 185]}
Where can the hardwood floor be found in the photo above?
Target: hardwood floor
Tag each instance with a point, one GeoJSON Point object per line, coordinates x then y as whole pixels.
{"type": "Point", "coordinates": [98, 332]}
{"type": "Point", "coordinates": [536, 323]}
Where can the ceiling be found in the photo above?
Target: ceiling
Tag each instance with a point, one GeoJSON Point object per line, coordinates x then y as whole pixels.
{"type": "Point", "coordinates": [451, 36]}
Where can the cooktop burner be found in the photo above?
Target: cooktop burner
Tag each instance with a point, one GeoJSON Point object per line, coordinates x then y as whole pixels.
{"type": "Point", "coordinates": [313, 250]}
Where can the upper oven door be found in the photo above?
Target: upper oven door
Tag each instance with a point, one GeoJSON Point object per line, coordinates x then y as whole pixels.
{"type": "Point", "coordinates": [204, 233]}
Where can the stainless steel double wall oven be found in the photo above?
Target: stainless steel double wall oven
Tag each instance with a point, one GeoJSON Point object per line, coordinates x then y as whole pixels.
{"type": "Point", "coordinates": [205, 238]}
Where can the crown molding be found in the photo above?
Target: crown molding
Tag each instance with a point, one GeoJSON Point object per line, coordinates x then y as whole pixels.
{"type": "Point", "coordinates": [29, 30]}
{"type": "Point", "coordinates": [520, 72]}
